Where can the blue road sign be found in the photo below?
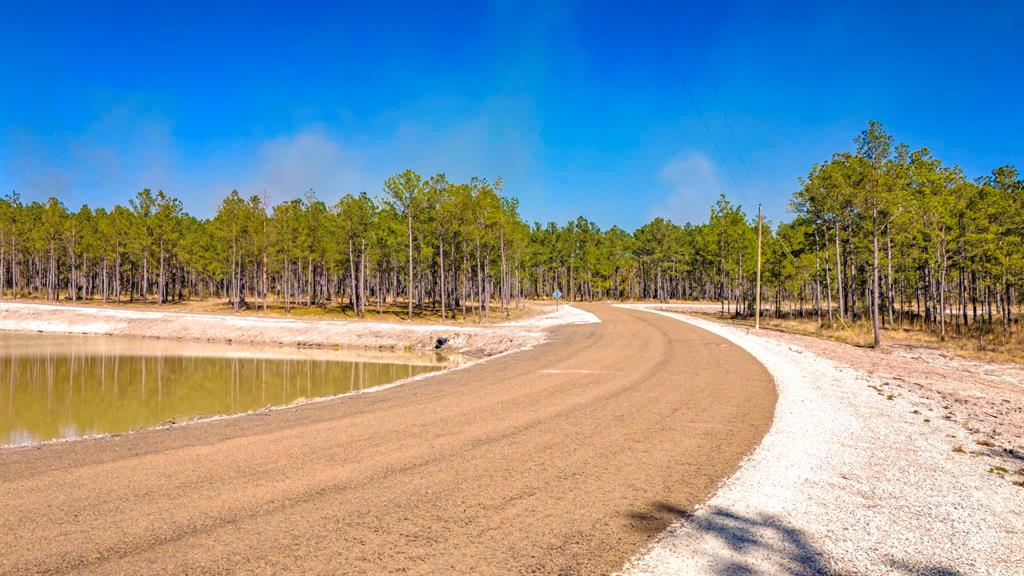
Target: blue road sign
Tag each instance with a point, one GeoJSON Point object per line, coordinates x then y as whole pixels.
{"type": "Point", "coordinates": [557, 294]}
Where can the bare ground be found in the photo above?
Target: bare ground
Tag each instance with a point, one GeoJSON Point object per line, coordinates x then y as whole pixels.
{"type": "Point", "coordinates": [472, 340]}
{"type": "Point", "coordinates": [985, 398]}
{"type": "Point", "coordinates": [556, 460]}
{"type": "Point", "coordinates": [393, 312]}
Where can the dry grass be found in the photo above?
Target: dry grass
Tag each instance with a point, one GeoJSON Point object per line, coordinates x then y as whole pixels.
{"type": "Point", "coordinates": [335, 311]}
{"type": "Point", "coordinates": [993, 348]}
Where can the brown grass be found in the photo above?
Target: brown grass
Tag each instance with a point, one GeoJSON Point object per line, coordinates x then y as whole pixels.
{"type": "Point", "coordinates": [334, 311]}
{"type": "Point", "coordinates": [993, 348]}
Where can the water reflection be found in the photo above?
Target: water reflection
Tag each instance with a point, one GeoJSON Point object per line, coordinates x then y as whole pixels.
{"type": "Point", "coordinates": [65, 386]}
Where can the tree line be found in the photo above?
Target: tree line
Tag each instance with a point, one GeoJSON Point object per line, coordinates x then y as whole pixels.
{"type": "Point", "coordinates": [897, 237]}
{"type": "Point", "coordinates": [426, 244]}
{"type": "Point", "coordinates": [882, 233]}
{"type": "Point", "coordinates": [454, 247]}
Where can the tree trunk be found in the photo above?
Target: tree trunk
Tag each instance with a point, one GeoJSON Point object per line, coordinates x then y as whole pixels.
{"type": "Point", "coordinates": [875, 329]}
{"type": "Point", "coordinates": [440, 243]}
{"type": "Point", "coordinates": [409, 287]}
{"type": "Point", "coordinates": [352, 278]}
{"type": "Point", "coordinates": [839, 277]}
{"type": "Point", "coordinates": [362, 278]}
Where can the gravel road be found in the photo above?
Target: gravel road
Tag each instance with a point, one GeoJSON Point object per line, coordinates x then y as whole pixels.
{"type": "Point", "coordinates": [853, 478]}
{"type": "Point", "coordinates": [563, 459]}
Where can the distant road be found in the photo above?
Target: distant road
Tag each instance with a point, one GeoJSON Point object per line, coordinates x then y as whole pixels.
{"type": "Point", "coordinates": [564, 459]}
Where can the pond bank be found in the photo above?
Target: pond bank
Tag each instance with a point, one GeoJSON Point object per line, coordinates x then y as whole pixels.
{"type": "Point", "coordinates": [478, 341]}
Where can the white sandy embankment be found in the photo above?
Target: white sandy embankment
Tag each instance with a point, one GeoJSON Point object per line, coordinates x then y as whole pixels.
{"type": "Point", "coordinates": [846, 481]}
{"type": "Point", "coordinates": [480, 341]}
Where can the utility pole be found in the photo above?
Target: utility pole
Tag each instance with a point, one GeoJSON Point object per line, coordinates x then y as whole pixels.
{"type": "Point", "coordinates": [757, 297]}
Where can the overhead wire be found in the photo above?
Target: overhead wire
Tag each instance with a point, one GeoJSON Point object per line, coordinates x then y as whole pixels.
{"type": "Point", "coordinates": [700, 114]}
{"type": "Point", "coordinates": [693, 99]}
{"type": "Point", "coordinates": [721, 104]}
{"type": "Point", "coordinates": [728, 123]}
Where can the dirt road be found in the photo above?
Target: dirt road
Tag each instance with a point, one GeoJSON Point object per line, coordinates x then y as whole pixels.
{"type": "Point", "coordinates": [564, 459]}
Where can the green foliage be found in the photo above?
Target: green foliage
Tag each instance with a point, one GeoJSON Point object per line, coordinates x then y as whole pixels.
{"type": "Point", "coordinates": [946, 251]}
{"type": "Point", "coordinates": [941, 247]}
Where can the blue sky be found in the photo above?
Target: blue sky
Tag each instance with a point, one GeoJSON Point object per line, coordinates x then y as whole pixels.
{"type": "Point", "coordinates": [575, 104]}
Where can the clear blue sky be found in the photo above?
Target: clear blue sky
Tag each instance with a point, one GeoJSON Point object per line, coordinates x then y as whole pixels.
{"type": "Point", "coordinates": [576, 105]}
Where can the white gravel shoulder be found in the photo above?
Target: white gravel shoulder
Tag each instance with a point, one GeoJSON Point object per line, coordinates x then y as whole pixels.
{"type": "Point", "coordinates": [847, 480]}
{"type": "Point", "coordinates": [558, 315]}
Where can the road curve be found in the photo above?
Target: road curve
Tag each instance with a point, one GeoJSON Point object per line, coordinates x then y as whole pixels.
{"type": "Point", "coordinates": [564, 459]}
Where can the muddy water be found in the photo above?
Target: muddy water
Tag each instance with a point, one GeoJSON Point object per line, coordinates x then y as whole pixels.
{"type": "Point", "coordinates": [63, 386]}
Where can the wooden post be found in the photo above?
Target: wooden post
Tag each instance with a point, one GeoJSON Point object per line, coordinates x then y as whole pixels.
{"type": "Point", "coordinates": [757, 296]}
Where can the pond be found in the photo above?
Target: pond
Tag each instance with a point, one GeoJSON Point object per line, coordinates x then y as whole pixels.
{"type": "Point", "coordinates": [64, 386]}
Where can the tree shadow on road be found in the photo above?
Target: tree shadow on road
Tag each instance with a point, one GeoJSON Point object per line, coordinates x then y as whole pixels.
{"type": "Point", "coordinates": [778, 547]}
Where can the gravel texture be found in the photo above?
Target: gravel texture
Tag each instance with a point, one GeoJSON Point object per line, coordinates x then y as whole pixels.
{"type": "Point", "coordinates": [851, 478]}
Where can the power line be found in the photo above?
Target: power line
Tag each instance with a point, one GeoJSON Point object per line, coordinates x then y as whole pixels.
{"type": "Point", "coordinates": [693, 100]}
{"type": "Point", "coordinates": [721, 104]}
